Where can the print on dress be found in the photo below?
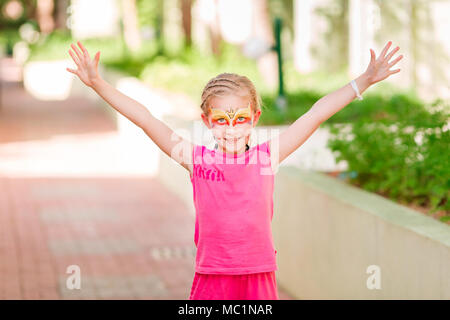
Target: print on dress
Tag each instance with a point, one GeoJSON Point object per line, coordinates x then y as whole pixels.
{"type": "Point", "coordinates": [209, 174]}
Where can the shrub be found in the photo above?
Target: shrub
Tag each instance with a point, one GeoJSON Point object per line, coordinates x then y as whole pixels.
{"type": "Point", "coordinates": [403, 155]}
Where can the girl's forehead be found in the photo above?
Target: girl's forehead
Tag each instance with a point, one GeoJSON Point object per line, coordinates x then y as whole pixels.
{"type": "Point", "coordinates": [229, 102]}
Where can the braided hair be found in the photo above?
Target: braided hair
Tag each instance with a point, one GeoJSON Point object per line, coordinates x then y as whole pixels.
{"type": "Point", "coordinates": [230, 83]}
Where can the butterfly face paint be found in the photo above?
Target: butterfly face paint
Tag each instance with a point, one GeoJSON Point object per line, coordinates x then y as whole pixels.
{"type": "Point", "coordinates": [231, 128]}
{"type": "Point", "coordinates": [231, 117]}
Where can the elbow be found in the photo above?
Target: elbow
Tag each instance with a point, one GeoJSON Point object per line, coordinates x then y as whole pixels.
{"type": "Point", "coordinates": [316, 117]}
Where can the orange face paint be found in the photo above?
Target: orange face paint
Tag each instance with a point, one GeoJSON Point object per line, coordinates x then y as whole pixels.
{"type": "Point", "coordinates": [231, 117]}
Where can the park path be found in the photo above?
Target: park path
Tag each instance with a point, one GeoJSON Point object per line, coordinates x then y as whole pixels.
{"type": "Point", "coordinates": [130, 237]}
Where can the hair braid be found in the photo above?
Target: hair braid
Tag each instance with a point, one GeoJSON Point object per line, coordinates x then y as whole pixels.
{"type": "Point", "coordinates": [230, 83]}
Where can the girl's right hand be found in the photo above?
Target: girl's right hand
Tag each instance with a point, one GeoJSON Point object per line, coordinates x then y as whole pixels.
{"type": "Point", "coordinates": [87, 69]}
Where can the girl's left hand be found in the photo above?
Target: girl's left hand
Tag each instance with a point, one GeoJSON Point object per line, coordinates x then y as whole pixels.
{"type": "Point", "coordinates": [378, 69]}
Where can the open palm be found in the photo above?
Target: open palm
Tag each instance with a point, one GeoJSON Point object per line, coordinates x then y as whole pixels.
{"type": "Point", "coordinates": [87, 69]}
{"type": "Point", "coordinates": [378, 69]}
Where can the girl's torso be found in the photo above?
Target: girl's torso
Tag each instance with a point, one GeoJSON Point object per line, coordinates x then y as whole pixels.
{"type": "Point", "coordinates": [233, 198]}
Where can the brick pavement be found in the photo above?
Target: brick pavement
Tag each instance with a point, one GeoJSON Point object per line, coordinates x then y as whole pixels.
{"type": "Point", "coordinates": [130, 237]}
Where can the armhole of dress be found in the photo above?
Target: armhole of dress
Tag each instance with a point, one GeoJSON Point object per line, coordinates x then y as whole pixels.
{"type": "Point", "coordinates": [197, 149]}
{"type": "Point", "coordinates": [191, 175]}
{"type": "Point", "coordinates": [273, 163]}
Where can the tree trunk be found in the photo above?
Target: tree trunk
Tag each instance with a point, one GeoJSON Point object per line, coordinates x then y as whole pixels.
{"type": "Point", "coordinates": [214, 31]}
{"type": "Point", "coordinates": [413, 33]}
{"type": "Point", "coordinates": [186, 6]}
{"type": "Point", "coordinates": [130, 25]}
{"type": "Point", "coordinates": [160, 26]}
{"type": "Point", "coordinates": [263, 28]}
{"type": "Point", "coordinates": [60, 15]}
{"type": "Point", "coordinates": [45, 15]}
{"type": "Point", "coordinates": [30, 9]}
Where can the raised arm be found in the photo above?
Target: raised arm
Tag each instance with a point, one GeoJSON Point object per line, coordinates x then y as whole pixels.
{"type": "Point", "coordinates": [164, 137]}
{"type": "Point", "coordinates": [298, 132]}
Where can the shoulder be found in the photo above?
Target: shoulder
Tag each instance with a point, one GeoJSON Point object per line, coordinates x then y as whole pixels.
{"type": "Point", "coordinates": [198, 152]}
{"type": "Point", "coordinates": [271, 148]}
{"type": "Point", "coordinates": [265, 146]}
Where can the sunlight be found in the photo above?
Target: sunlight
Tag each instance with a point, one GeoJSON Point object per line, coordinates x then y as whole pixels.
{"type": "Point", "coordinates": [48, 80]}
{"type": "Point", "coordinates": [87, 155]}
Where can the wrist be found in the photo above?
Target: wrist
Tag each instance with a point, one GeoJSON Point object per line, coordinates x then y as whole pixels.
{"type": "Point", "coordinates": [96, 83]}
{"type": "Point", "coordinates": [365, 80]}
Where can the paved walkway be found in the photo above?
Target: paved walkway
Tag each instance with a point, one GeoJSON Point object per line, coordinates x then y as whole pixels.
{"type": "Point", "coordinates": [130, 237]}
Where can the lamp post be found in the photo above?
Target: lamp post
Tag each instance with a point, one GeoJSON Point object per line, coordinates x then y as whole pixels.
{"type": "Point", "coordinates": [256, 47]}
{"type": "Point", "coordinates": [281, 101]}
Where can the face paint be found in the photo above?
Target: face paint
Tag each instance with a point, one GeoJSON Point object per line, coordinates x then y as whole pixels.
{"type": "Point", "coordinates": [231, 128]}
{"type": "Point", "coordinates": [231, 117]}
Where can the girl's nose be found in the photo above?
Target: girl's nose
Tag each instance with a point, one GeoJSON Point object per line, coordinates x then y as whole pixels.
{"type": "Point", "coordinates": [231, 130]}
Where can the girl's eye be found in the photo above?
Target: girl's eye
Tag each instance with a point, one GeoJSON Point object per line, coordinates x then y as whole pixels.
{"type": "Point", "coordinates": [220, 120]}
{"type": "Point", "coordinates": [241, 118]}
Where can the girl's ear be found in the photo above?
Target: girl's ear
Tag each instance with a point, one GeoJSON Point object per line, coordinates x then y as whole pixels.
{"type": "Point", "coordinates": [256, 116]}
{"type": "Point", "coordinates": [206, 120]}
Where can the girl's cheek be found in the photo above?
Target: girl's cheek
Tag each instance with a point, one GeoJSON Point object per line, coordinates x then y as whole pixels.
{"type": "Point", "coordinates": [242, 129]}
{"type": "Point", "coordinates": [218, 132]}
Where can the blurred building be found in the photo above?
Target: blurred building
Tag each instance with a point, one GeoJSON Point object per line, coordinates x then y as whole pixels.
{"type": "Point", "coordinates": [419, 28]}
{"type": "Point", "coordinates": [99, 18]}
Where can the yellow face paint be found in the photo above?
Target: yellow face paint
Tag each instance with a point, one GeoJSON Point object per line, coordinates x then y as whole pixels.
{"type": "Point", "coordinates": [240, 116]}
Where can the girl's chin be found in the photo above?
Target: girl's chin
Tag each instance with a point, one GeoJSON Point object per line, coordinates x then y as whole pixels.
{"type": "Point", "coordinates": [233, 146]}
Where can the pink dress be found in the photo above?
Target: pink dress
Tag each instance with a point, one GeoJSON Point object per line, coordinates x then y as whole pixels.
{"type": "Point", "coordinates": [233, 198]}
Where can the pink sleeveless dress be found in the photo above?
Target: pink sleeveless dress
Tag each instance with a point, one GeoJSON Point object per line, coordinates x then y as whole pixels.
{"type": "Point", "coordinates": [233, 198]}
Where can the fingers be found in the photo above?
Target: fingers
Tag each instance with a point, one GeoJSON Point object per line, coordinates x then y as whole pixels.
{"type": "Point", "coordinates": [96, 59]}
{"type": "Point", "coordinates": [82, 58]}
{"type": "Point", "coordinates": [79, 55]}
{"type": "Point", "coordinates": [83, 55]}
{"type": "Point", "coordinates": [395, 61]}
{"type": "Point", "coordinates": [394, 71]}
{"type": "Point", "coordinates": [372, 56]}
{"type": "Point", "coordinates": [71, 70]}
{"type": "Point", "coordinates": [385, 49]}
{"type": "Point", "coordinates": [75, 59]}
{"type": "Point", "coordinates": [85, 52]}
{"type": "Point", "coordinates": [388, 57]}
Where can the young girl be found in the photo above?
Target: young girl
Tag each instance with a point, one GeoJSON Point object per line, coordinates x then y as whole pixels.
{"type": "Point", "coordinates": [233, 182]}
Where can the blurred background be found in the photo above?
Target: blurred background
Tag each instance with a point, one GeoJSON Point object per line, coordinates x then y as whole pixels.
{"type": "Point", "coordinates": [80, 185]}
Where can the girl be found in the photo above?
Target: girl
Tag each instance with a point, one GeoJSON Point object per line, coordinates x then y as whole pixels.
{"type": "Point", "coordinates": [233, 182]}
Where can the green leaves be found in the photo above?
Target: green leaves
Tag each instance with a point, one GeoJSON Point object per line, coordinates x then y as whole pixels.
{"type": "Point", "coordinates": [404, 155]}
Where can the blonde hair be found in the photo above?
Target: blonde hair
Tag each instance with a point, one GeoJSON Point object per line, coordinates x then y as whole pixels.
{"type": "Point", "coordinates": [230, 83]}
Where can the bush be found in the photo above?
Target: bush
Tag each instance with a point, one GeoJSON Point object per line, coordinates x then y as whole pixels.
{"type": "Point", "coordinates": [8, 38]}
{"type": "Point", "coordinates": [402, 154]}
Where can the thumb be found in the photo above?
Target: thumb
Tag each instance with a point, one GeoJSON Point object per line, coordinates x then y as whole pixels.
{"type": "Point", "coordinates": [71, 70]}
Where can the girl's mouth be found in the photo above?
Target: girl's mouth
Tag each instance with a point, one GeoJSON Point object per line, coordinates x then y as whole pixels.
{"type": "Point", "coordinates": [231, 139]}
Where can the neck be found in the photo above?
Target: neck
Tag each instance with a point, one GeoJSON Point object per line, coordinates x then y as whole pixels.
{"type": "Point", "coordinates": [239, 152]}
